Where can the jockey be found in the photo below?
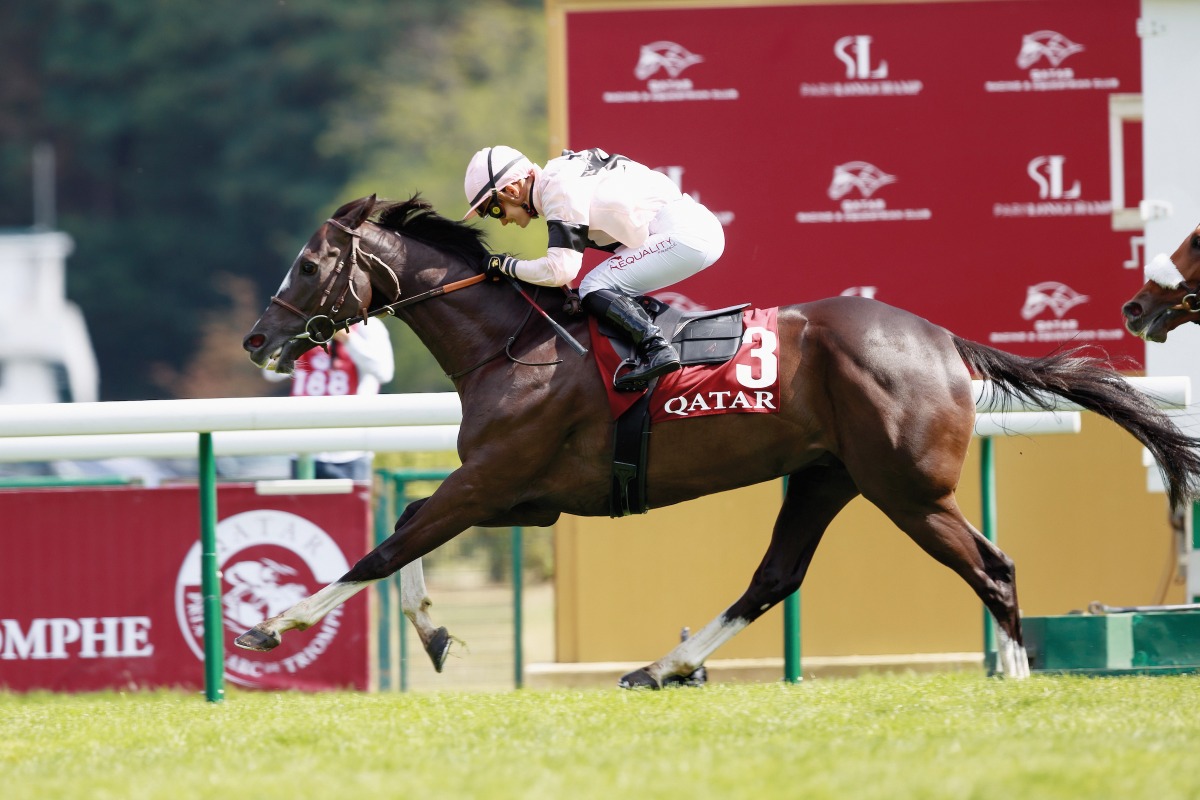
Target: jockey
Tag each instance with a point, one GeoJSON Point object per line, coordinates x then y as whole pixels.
{"type": "Point", "coordinates": [656, 235]}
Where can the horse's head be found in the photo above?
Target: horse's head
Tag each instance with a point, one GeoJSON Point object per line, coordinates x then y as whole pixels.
{"type": "Point", "coordinates": [1171, 295]}
{"type": "Point", "coordinates": [325, 285]}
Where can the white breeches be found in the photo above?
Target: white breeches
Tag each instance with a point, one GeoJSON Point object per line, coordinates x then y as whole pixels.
{"type": "Point", "coordinates": [684, 238]}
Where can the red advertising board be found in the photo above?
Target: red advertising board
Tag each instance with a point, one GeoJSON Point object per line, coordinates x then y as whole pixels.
{"type": "Point", "coordinates": [948, 158]}
{"type": "Point", "coordinates": [100, 588]}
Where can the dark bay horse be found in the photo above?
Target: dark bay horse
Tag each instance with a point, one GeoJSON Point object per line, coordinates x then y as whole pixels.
{"type": "Point", "coordinates": [872, 400]}
{"type": "Point", "coordinates": [1171, 295]}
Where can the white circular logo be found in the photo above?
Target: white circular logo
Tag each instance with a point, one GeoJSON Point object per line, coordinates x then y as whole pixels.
{"type": "Point", "coordinates": [269, 561]}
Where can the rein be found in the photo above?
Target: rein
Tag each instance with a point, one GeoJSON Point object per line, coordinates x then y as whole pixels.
{"type": "Point", "coordinates": [320, 328]}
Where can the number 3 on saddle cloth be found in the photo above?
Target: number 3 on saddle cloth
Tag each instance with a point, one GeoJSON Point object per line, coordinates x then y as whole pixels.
{"type": "Point", "coordinates": [730, 366]}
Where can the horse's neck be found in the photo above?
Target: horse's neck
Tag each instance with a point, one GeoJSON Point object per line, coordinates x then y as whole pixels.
{"type": "Point", "coordinates": [459, 328]}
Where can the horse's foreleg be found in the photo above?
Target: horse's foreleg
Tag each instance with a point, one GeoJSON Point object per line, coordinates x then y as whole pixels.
{"type": "Point", "coordinates": [267, 634]}
{"type": "Point", "coordinates": [415, 603]}
{"type": "Point", "coordinates": [814, 497]}
{"type": "Point", "coordinates": [424, 526]}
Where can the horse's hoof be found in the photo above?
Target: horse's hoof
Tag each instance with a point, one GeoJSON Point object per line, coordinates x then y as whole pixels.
{"type": "Point", "coordinates": [258, 638]}
{"type": "Point", "coordinates": [695, 679]}
{"type": "Point", "coordinates": [638, 679]}
{"type": "Point", "coordinates": [438, 647]}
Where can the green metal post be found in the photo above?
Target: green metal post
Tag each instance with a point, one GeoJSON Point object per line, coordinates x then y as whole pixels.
{"type": "Point", "coordinates": [399, 496]}
{"type": "Point", "coordinates": [1195, 543]}
{"type": "Point", "coordinates": [791, 630]}
{"type": "Point", "coordinates": [382, 530]}
{"type": "Point", "coordinates": [518, 579]}
{"type": "Point", "coordinates": [210, 578]}
{"type": "Point", "coordinates": [49, 481]}
{"type": "Point", "coordinates": [791, 638]}
{"type": "Point", "coordinates": [306, 466]}
{"type": "Point", "coordinates": [987, 472]}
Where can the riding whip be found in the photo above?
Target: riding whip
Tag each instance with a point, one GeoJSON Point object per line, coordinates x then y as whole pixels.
{"type": "Point", "coordinates": [559, 329]}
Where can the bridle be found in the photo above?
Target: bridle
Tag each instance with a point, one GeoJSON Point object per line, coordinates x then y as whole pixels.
{"type": "Point", "coordinates": [1160, 269]}
{"type": "Point", "coordinates": [321, 328]}
{"type": "Point", "coordinates": [1190, 302]}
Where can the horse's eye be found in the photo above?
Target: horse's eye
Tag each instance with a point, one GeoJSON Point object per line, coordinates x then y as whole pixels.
{"type": "Point", "coordinates": [1196, 242]}
{"type": "Point", "coordinates": [308, 268]}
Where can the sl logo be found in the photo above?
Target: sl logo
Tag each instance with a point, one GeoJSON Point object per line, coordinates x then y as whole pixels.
{"type": "Point", "coordinates": [855, 53]}
{"type": "Point", "coordinates": [1047, 173]}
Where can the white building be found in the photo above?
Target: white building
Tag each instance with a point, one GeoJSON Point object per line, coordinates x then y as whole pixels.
{"type": "Point", "coordinates": [46, 354]}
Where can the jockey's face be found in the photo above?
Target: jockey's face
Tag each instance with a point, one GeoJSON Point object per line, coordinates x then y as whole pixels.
{"type": "Point", "coordinates": [514, 200]}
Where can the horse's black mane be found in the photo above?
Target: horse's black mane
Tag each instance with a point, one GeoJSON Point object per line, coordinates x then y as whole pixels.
{"type": "Point", "coordinates": [416, 219]}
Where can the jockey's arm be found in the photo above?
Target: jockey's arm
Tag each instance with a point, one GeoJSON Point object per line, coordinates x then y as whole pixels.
{"type": "Point", "coordinates": [559, 267]}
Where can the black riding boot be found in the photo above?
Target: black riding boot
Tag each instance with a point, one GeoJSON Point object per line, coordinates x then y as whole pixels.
{"type": "Point", "coordinates": [654, 354]}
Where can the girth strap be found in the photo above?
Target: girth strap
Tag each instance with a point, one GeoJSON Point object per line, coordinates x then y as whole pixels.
{"type": "Point", "coordinates": [631, 443]}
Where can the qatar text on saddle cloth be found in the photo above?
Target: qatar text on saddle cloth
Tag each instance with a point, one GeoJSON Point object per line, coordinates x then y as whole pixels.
{"type": "Point", "coordinates": [746, 384]}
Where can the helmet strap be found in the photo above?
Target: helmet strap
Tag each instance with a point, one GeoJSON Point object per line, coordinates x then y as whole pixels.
{"type": "Point", "coordinates": [528, 205]}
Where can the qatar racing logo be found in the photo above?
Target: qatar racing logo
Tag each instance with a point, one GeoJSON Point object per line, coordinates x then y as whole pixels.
{"type": "Point", "coordinates": [1052, 46]}
{"type": "Point", "coordinates": [269, 560]}
{"type": "Point", "coordinates": [1058, 297]}
{"type": "Point", "coordinates": [867, 178]}
{"type": "Point", "coordinates": [667, 56]}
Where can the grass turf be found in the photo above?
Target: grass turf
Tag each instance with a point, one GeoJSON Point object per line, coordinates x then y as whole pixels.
{"type": "Point", "coordinates": [955, 736]}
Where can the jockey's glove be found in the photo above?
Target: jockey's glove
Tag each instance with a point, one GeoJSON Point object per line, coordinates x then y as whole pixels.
{"type": "Point", "coordinates": [498, 266]}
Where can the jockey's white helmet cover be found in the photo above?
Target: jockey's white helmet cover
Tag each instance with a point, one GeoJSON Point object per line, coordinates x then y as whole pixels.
{"type": "Point", "coordinates": [493, 168]}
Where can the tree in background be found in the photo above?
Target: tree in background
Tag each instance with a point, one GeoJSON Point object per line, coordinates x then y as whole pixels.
{"type": "Point", "coordinates": [479, 82]}
{"type": "Point", "coordinates": [199, 144]}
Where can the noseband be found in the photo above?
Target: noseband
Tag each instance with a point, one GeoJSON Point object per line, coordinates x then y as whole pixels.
{"type": "Point", "coordinates": [1162, 271]}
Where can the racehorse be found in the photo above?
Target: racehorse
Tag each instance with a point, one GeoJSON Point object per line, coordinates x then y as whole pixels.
{"type": "Point", "coordinates": [1171, 295]}
{"type": "Point", "coordinates": [872, 400]}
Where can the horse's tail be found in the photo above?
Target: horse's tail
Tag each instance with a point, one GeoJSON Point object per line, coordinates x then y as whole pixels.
{"type": "Point", "coordinates": [1093, 384]}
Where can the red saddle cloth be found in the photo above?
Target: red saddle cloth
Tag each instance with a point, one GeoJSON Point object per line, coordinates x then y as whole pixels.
{"type": "Point", "coordinates": [746, 384]}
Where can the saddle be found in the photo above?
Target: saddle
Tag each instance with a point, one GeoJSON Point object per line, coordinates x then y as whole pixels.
{"type": "Point", "coordinates": [700, 337]}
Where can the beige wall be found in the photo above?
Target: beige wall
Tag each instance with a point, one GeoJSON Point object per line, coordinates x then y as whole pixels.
{"type": "Point", "coordinates": [1072, 512]}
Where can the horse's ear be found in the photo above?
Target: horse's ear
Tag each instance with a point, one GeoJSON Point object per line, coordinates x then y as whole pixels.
{"type": "Point", "coordinates": [355, 213]}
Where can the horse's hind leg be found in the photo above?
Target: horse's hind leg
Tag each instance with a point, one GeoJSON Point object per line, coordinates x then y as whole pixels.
{"type": "Point", "coordinates": [814, 497]}
{"type": "Point", "coordinates": [944, 533]}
